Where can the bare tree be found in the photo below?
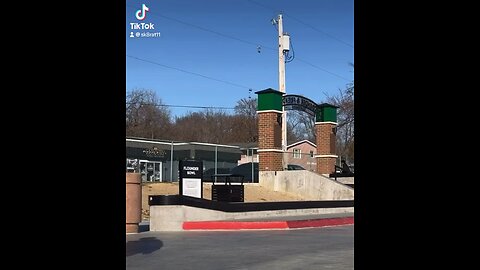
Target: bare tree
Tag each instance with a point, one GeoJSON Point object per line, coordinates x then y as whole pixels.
{"type": "Point", "coordinates": [246, 107]}
{"type": "Point", "coordinates": [346, 121]}
{"type": "Point", "coordinates": [300, 126]}
{"type": "Point", "coordinates": [217, 126]}
{"type": "Point", "coordinates": [245, 121]}
{"type": "Point", "coordinates": [212, 126]}
{"type": "Point", "coordinates": [145, 115]}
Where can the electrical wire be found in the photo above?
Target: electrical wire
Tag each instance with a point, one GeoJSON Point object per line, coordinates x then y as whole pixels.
{"type": "Point", "coordinates": [320, 31]}
{"type": "Point", "coordinates": [257, 45]}
{"type": "Point", "coordinates": [331, 73]}
{"type": "Point", "coordinates": [304, 23]}
{"type": "Point", "coordinates": [189, 72]}
{"type": "Point", "coordinates": [180, 106]}
{"type": "Point", "coordinates": [207, 30]}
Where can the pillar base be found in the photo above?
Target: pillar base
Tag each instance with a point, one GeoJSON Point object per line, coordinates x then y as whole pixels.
{"type": "Point", "coordinates": [132, 228]}
{"type": "Point", "coordinates": [270, 161]}
{"type": "Point", "coordinates": [326, 165]}
{"type": "Point", "coordinates": [133, 202]}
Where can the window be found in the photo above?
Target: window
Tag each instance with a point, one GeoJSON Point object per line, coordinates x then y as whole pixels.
{"type": "Point", "coordinates": [297, 153]}
{"type": "Point", "coordinates": [311, 154]}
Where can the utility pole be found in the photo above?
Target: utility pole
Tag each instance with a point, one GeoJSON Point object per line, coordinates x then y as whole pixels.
{"type": "Point", "coordinates": [281, 79]}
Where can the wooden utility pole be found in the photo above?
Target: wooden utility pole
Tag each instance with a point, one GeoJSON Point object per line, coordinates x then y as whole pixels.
{"type": "Point", "coordinates": [281, 79]}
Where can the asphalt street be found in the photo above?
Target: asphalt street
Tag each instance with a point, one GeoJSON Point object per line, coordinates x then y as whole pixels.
{"type": "Point", "coordinates": [313, 248]}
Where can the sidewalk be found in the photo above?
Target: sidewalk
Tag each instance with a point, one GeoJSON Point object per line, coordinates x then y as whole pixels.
{"type": "Point", "coordinates": [268, 223]}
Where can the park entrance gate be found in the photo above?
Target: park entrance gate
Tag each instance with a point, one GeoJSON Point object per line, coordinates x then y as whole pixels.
{"type": "Point", "coordinates": [271, 105]}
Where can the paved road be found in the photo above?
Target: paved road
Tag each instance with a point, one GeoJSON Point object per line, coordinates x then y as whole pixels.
{"type": "Point", "coordinates": [315, 248]}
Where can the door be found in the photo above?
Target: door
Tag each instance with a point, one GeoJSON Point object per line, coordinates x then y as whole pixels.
{"type": "Point", "coordinates": [151, 171]}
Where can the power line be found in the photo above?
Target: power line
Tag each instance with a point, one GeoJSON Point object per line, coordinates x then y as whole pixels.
{"type": "Point", "coordinates": [320, 31]}
{"type": "Point", "coordinates": [291, 57]}
{"type": "Point", "coordinates": [215, 32]}
{"type": "Point", "coordinates": [317, 67]}
{"type": "Point", "coordinates": [189, 72]}
{"type": "Point", "coordinates": [233, 38]}
{"type": "Point", "coordinates": [180, 106]}
{"type": "Point", "coordinates": [304, 23]}
{"type": "Point", "coordinates": [208, 30]}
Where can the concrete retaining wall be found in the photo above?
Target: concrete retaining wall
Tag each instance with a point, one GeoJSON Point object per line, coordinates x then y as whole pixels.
{"type": "Point", "coordinates": [309, 185]}
{"type": "Point", "coordinates": [171, 217]}
{"type": "Point", "coordinates": [346, 180]}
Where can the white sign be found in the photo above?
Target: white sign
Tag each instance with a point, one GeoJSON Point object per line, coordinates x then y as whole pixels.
{"type": "Point", "coordinates": [192, 187]}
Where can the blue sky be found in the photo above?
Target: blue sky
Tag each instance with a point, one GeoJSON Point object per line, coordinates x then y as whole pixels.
{"type": "Point", "coordinates": [188, 48]}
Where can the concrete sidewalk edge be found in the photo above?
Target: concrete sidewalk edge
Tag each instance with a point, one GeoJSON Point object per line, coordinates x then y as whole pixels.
{"type": "Point", "coordinates": [259, 225]}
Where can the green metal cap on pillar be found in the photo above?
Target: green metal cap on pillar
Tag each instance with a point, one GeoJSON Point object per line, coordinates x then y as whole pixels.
{"type": "Point", "coordinates": [326, 113]}
{"type": "Point", "coordinates": [269, 99]}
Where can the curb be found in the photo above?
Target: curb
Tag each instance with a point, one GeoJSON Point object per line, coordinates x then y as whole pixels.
{"type": "Point", "coordinates": [262, 225]}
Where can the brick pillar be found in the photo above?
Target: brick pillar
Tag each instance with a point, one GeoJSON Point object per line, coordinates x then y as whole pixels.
{"type": "Point", "coordinates": [270, 140]}
{"type": "Point", "coordinates": [326, 140]}
{"type": "Point", "coordinates": [134, 202]}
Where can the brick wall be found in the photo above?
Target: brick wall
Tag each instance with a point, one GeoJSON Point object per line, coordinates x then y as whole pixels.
{"type": "Point", "coordinates": [326, 140]}
{"type": "Point", "coordinates": [326, 165]}
{"type": "Point", "coordinates": [270, 161]}
{"type": "Point", "coordinates": [269, 137]}
{"type": "Point", "coordinates": [269, 131]}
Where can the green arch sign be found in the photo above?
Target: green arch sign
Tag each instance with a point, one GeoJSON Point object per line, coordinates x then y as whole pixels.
{"type": "Point", "coordinates": [323, 112]}
{"type": "Point", "coordinates": [300, 103]}
{"type": "Point", "coordinates": [270, 99]}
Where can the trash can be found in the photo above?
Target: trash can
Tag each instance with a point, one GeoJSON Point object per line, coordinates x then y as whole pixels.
{"type": "Point", "coordinates": [228, 188]}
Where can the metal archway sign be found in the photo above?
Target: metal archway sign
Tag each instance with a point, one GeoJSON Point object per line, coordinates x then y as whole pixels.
{"type": "Point", "coordinates": [299, 103]}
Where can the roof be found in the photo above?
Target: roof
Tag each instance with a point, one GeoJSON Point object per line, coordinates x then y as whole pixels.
{"type": "Point", "coordinates": [268, 90]}
{"type": "Point", "coordinates": [131, 138]}
{"type": "Point", "coordinates": [175, 143]}
{"type": "Point", "coordinates": [300, 142]}
{"type": "Point", "coordinates": [250, 145]}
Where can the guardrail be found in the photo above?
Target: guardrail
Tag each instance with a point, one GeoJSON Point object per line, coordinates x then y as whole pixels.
{"type": "Point", "coordinates": [242, 206]}
{"type": "Point", "coordinates": [343, 173]}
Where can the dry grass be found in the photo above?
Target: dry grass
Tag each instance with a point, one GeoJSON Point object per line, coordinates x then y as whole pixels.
{"type": "Point", "coordinates": [253, 193]}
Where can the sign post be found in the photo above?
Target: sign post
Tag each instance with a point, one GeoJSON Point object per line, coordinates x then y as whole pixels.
{"type": "Point", "coordinates": [191, 178]}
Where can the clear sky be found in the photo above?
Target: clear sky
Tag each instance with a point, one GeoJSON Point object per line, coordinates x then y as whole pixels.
{"type": "Point", "coordinates": [321, 31]}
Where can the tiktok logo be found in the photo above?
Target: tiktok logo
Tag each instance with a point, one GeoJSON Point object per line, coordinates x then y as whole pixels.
{"type": "Point", "coordinates": [142, 13]}
{"type": "Point", "coordinates": [143, 29]}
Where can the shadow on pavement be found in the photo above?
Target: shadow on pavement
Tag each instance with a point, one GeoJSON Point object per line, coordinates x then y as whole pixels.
{"type": "Point", "coordinates": [144, 245]}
